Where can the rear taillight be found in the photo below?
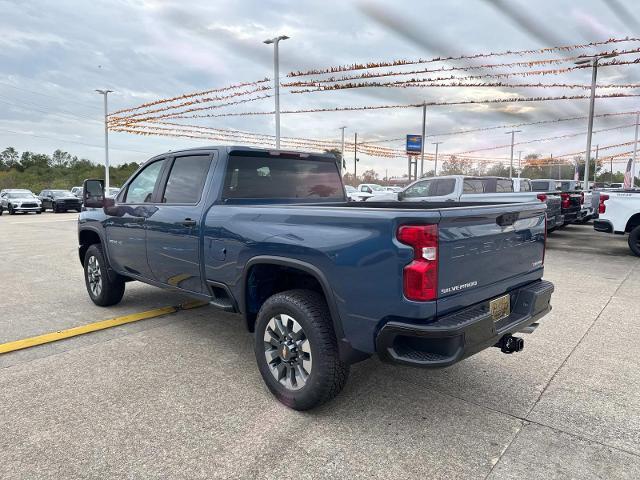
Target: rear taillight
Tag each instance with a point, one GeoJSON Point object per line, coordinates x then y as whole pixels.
{"type": "Point", "coordinates": [542, 197]}
{"type": "Point", "coordinates": [581, 198]}
{"type": "Point", "coordinates": [601, 206]}
{"type": "Point", "coordinates": [420, 277]}
{"type": "Point", "coordinates": [566, 201]}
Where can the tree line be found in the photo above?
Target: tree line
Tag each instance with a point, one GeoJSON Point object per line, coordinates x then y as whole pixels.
{"type": "Point", "coordinates": [533, 166]}
{"type": "Point", "coordinates": [60, 170]}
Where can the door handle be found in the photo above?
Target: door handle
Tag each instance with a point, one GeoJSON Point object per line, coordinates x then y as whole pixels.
{"type": "Point", "coordinates": [187, 222]}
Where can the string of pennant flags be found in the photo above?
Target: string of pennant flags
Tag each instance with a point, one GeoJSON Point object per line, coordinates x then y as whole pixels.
{"type": "Point", "coordinates": [403, 62]}
{"type": "Point", "coordinates": [166, 117]}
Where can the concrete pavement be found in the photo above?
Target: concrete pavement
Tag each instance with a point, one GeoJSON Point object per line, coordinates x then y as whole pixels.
{"type": "Point", "coordinates": [180, 396]}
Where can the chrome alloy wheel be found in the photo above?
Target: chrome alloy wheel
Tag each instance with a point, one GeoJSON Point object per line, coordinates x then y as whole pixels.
{"type": "Point", "coordinates": [94, 276]}
{"type": "Point", "coordinates": [287, 351]}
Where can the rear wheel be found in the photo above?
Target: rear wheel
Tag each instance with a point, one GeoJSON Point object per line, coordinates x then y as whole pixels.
{"type": "Point", "coordinates": [634, 241]}
{"type": "Point", "coordinates": [103, 290]}
{"type": "Point", "coordinates": [297, 351]}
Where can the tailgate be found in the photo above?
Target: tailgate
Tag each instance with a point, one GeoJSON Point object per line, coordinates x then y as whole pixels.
{"type": "Point", "coordinates": [480, 246]}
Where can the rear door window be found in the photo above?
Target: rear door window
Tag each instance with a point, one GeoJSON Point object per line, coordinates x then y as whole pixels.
{"type": "Point", "coordinates": [443, 186]}
{"type": "Point", "coordinates": [472, 185]}
{"type": "Point", "coordinates": [539, 186]}
{"type": "Point", "coordinates": [504, 185]}
{"type": "Point", "coordinates": [186, 179]}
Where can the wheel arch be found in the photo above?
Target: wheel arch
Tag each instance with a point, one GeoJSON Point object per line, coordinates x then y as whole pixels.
{"type": "Point", "coordinates": [347, 353]}
{"type": "Point", "coordinates": [86, 237]}
{"type": "Point", "coordinates": [632, 223]}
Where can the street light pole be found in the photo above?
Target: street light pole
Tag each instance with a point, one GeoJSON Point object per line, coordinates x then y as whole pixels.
{"type": "Point", "coordinates": [435, 168]}
{"type": "Point", "coordinates": [595, 164]}
{"type": "Point", "coordinates": [355, 157]}
{"type": "Point", "coordinates": [342, 162]}
{"type": "Point", "coordinates": [594, 75]}
{"type": "Point", "coordinates": [424, 129]}
{"type": "Point", "coordinates": [105, 93]}
{"type": "Point", "coordinates": [512, 132]}
{"type": "Point", "coordinates": [519, 162]}
{"type": "Point", "coordinates": [635, 149]}
{"type": "Point", "coordinates": [276, 81]}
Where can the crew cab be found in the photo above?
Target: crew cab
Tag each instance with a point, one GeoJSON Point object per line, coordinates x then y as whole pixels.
{"type": "Point", "coordinates": [322, 282]}
{"type": "Point", "coordinates": [620, 214]}
{"type": "Point", "coordinates": [463, 188]}
{"type": "Point", "coordinates": [571, 202]}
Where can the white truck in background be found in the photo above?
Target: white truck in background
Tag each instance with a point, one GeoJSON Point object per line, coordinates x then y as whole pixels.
{"type": "Point", "coordinates": [620, 214]}
{"type": "Point", "coordinates": [464, 188]}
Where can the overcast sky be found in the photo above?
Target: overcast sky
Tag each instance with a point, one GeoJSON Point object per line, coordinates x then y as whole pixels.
{"type": "Point", "coordinates": [54, 54]}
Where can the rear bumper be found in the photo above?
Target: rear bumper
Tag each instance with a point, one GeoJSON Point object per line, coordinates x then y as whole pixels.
{"type": "Point", "coordinates": [554, 221]}
{"type": "Point", "coordinates": [603, 226]}
{"type": "Point", "coordinates": [454, 337]}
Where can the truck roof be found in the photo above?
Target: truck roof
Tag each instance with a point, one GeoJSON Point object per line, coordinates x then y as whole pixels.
{"type": "Point", "coordinates": [230, 149]}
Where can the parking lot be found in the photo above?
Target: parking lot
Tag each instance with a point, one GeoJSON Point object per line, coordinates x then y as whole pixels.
{"type": "Point", "coordinates": [180, 396]}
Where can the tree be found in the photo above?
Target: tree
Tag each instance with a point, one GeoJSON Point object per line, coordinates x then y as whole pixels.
{"type": "Point", "coordinates": [60, 159]}
{"type": "Point", "coordinates": [457, 166]}
{"type": "Point", "coordinates": [9, 158]}
{"type": "Point", "coordinates": [349, 179]}
{"type": "Point", "coordinates": [499, 170]}
{"type": "Point", "coordinates": [369, 176]}
{"type": "Point", "coordinates": [338, 154]}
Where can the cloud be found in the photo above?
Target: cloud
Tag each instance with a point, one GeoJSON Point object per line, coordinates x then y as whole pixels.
{"type": "Point", "coordinates": [54, 54]}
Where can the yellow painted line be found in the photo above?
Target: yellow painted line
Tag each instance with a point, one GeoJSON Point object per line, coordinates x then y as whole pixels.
{"type": "Point", "coordinates": [94, 327]}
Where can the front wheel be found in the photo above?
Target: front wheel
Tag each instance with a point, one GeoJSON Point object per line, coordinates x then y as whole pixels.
{"type": "Point", "coordinates": [634, 241]}
{"type": "Point", "coordinates": [11, 210]}
{"type": "Point", "coordinates": [297, 351]}
{"type": "Point", "coordinates": [103, 290]}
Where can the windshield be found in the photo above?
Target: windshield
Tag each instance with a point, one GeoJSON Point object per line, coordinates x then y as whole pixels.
{"type": "Point", "coordinates": [376, 188]}
{"type": "Point", "coordinates": [19, 195]}
{"type": "Point", "coordinates": [61, 193]}
{"type": "Point", "coordinates": [350, 189]}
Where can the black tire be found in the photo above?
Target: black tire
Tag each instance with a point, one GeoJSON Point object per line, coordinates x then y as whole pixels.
{"type": "Point", "coordinates": [327, 374]}
{"type": "Point", "coordinates": [0, 210]}
{"type": "Point", "coordinates": [38, 212]}
{"type": "Point", "coordinates": [111, 288]}
{"type": "Point", "coordinates": [54, 208]}
{"type": "Point", "coordinates": [11, 210]}
{"type": "Point", "coordinates": [634, 241]}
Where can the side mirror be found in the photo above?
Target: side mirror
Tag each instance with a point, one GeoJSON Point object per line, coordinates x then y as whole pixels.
{"type": "Point", "coordinates": [93, 194]}
{"type": "Point", "coordinates": [401, 196]}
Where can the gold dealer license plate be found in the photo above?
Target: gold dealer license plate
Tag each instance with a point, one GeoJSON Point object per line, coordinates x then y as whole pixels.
{"type": "Point", "coordinates": [500, 307]}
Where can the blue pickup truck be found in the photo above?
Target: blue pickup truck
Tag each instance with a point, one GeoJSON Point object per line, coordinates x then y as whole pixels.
{"type": "Point", "coordinates": [321, 281]}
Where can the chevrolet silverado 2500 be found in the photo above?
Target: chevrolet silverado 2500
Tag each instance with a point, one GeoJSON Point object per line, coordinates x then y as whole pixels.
{"type": "Point", "coordinates": [321, 282]}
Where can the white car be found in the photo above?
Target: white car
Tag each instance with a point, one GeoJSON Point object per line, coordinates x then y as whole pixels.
{"type": "Point", "coordinates": [77, 191]}
{"type": "Point", "coordinates": [620, 213]}
{"type": "Point", "coordinates": [19, 201]}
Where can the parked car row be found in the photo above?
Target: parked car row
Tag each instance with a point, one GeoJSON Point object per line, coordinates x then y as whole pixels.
{"type": "Point", "coordinates": [564, 201]}
{"type": "Point", "coordinates": [18, 200]}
